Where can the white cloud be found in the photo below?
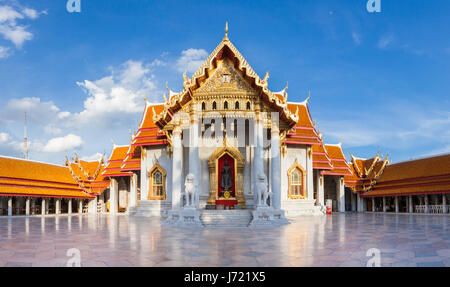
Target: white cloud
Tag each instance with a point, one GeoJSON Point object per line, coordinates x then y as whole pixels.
{"type": "Point", "coordinates": [191, 59]}
{"type": "Point", "coordinates": [52, 129]}
{"type": "Point", "coordinates": [4, 52]}
{"type": "Point", "coordinates": [122, 92]}
{"type": "Point", "coordinates": [37, 111]}
{"type": "Point", "coordinates": [385, 41]}
{"type": "Point", "coordinates": [10, 29]}
{"type": "Point", "coordinates": [356, 38]}
{"type": "Point", "coordinates": [4, 137]}
{"type": "Point", "coordinates": [68, 142]}
{"type": "Point", "coordinates": [94, 157]}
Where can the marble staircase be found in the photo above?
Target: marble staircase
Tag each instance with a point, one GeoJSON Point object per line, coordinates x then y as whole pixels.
{"type": "Point", "coordinates": [149, 208]}
{"type": "Point", "coordinates": [225, 218]}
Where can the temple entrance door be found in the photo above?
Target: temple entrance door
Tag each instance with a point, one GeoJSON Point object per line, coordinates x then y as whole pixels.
{"type": "Point", "coordinates": [226, 183]}
{"type": "Point", "coordinates": [226, 179]}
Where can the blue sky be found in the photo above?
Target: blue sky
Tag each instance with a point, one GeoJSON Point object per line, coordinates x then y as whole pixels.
{"type": "Point", "coordinates": [378, 81]}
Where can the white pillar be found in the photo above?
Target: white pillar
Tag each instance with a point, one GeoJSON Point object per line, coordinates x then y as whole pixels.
{"type": "Point", "coordinates": [27, 206]}
{"type": "Point", "coordinates": [354, 204]}
{"type": "Point", "coordinates": [80, 205]}
{"type": "Point", "coordinates": [113, 196]}
{"type": "Point", "coordinates": [58, 206]}
{"type": "Point", "coordinates": [340, 192]}
{"type": "Point", "coordinates": [69, 206]}
{"type": "Point", "coordinates": [397, 209]}
{"type": "Point", "coordinates": [373, 204]}
{"type": "Point", "coordinates": [92, 206]}
{"type": "Point", "coordinates": [133, 190]}
{"type": "Point", "coordinates": [426, 204]}
{"type": "Point", "coordinates": [320, 189]}
{"type": "Point", "coordinates": [9, 206]}
{"type": "Point", "coordinates": [384, 204]}
{"type": "Point", "coordinates": [275, 162]}
{"type": "Point", "coordinates": [258, 163]}
{"type": "Point", "coordinates": [43, 206]}
{"type": "Point", "coordinates": [176, 168]}
{"type": "Point", "coordinates": [360, 202]}
{"type": "Point", "coordinates": [194, 162]}
{"type": "Point", "coordinates": [410, 204]}
{"type": "Point", "coordinates": [444, 203]}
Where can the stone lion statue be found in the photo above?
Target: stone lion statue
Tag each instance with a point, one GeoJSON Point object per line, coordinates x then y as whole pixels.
{"type": "Point", "coordinates": [263, 191]}
{"type": "Point", "coordinates": [190, 190]}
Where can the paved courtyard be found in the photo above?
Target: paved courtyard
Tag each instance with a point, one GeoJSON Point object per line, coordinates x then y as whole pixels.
{"type": "Point", "coordinates": [337, 240]}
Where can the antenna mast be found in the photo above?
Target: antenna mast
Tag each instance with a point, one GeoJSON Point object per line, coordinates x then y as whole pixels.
{"type": "Point", "coordinates": [25, 139]}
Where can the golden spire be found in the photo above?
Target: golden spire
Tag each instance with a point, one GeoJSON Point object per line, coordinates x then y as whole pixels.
{"type": "Point", "coordinates": [225, 38]}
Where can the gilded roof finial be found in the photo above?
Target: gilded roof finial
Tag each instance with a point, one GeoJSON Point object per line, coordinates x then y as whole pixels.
{"type": "Point", "coordinates": [309, 95]}
{"type": "Point", "coordinates": [165, 99]}
{"type": "Point", "coordinates": [225, 38]}
{"type": "Point", "coordinates": [113, 144]}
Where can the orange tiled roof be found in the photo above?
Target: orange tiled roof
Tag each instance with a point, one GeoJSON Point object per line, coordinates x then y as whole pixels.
{"type": "Point", "coordinates": [133, 159]}
{"type": "Point", "coordinates": [20, 177]}
{"type": "Point", "coordinates": [304, 131]}
{"type": "Point", "coordinates": [88, 175]}
{"type": "Point", "coordinates": [115, 161]}
{"type": "Point", "coordinates": [148, 133]}
{"type": "Point", "coordinates": [320, 157]}
{"type": "Point", "coordinates": [365, 173]}
{"type": "Point", "coordinates": [340, 165]}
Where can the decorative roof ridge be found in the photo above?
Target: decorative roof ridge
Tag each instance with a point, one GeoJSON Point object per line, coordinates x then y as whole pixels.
{"type": "Point", "coordinates": [420, 158]}
{"type": "Point", "coordinates": [30, 160]}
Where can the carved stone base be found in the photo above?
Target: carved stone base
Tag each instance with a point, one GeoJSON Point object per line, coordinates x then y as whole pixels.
{"type": "Point", "coordinates": [184, 217]}
{"type": "Point", "coordinates": [267, 216]}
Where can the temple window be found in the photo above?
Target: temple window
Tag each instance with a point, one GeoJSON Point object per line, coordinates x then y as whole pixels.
{"type": "Point", "coordinates": [214, 106]}
{"type": "Point", "coordinates": [225, 105]}
{"type": "Point", "coordinates": [235, 127]}
{"type": "Point", "coordinates": [226, 78]}
{"type": "Point", "coordinates": [203, 106]}
{"type": "Point", "coordinates": [296, 182]}
{"type": "Point", "coordinates": [157, 189]}
{"type": "Point", "coordinates": [236, 105]}
{"type": "Point", "coordinates": [249, 106]}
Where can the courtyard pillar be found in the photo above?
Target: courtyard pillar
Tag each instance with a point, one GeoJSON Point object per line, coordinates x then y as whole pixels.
{"type": "Point", "coordinates": [43, 206]}
{"type": "Point", "coordinates": [320, 190]}
{"type": "Point", "coordinates": [426, 204]}
{"type": "Point", "coordinates": [92, 206]}
{"type": "Point", "coordinates": [360, 202]}
{"type": "Point", "coordinates": [276, 162]}
{"type": "Point", "coordinates": [113, 196]}
{"type": "Point", "coordinates": [258, 163]}
{"type": "Point", "coordinates": [133, 190]}
{"type": "Point", "coordinates": [373, 204]}
{"type": "Point", "coordinates": [58, 206]}
{"type": "Point", "coordinates": [80, 205]}
{"type": "Point", "coordinates": [353, 200]}
{"type": "Point", "coordinates": [9, 206]}
{"type": "Point", "coordinates": [27, 206]}
{"type": "Point", "coordinates": [340, 192]}
{"type": "Point", "coordinates": [69, 206]}
{"type": "Point", "coordinates": [384, 204]}
{"type": "Point", "coordinates": [444, 203]}
{"type": "Point", "coordinates": [410, 204]}
{"type": "Point", "coordinates": [194, 162]}
{"type": "Point", "coordinates": [396, 204]}
{"type": "Point", "coordinates": [176, 168]}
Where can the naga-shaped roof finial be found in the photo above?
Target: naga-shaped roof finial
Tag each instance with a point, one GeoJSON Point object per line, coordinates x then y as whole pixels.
{"type": "Point", "coordinates": [225, 38]}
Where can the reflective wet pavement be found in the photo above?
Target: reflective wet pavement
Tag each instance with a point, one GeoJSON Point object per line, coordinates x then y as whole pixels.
{"type": "Point", "coordinates": [336, 240]}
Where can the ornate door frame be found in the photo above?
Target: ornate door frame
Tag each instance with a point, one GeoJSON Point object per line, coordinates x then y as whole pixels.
{"type": "Point", "coordinates": [239, 172]}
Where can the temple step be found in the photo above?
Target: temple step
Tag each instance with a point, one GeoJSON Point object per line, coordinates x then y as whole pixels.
{"type": "Point", "coordinates": [226, 218]}
{"type": "Point", "coordinates": [148, 208]}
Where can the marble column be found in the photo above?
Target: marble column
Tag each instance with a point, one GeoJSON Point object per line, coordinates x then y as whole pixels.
{"type": "Point", "coordinates": [373, 204]}
{"type": "Point", "coordinates": [114, 196]}
{"type": "Point", "coordinates": [44, 206]}
{"type": "Point", "coordinates": [176, 168]}
{"type": "Point", "coordinates": [410, 204]}
{"type": "Point", "coordinates": [340, 193]}
{"type": "Point", "coordinates": [360, 202]}
{"type": "Point", "coordinates": [320, 189]}
{"type": "Point", "coordinates": [384, 204]}
{"type": "Point", "coordinates": [80, 205]}
{"type": "Point", "coordinates": [353, 198]}
{"type": "Point", "coordinates": [92, 206]}
{"type": "Point", "coordinates": [427, 209]}
{"type": "Point", "coordinates": [258, 163]}
{"type": "Point", "coordinates": [27, 206]}
{"type": "Point", "coordinates": [58, 206]}
{"type": "Point", "coordinates": [133, 190]}
{"type": "Point", "coordinates": [194, 162]}
{"type": "Point", "coordinates": [10, 206]}
{"type": "Point", "coordinates": [396, 203]}
{"type": "Point", "coordinates": [444, 203]}
{"type": "Point", "coordinates": [275, 163]}
{"type": "Point", "coordinates": [69, 206]}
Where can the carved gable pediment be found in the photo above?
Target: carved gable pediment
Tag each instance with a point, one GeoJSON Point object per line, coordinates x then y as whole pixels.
{"type": "Point", "coordinates": [225, 79]}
